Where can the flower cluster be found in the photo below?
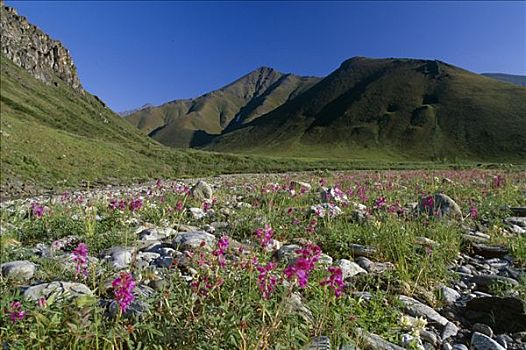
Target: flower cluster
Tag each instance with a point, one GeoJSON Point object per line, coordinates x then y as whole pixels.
{"type": "Point", "coordinates": [303, 265]}
{"type": "Point", "coordinates": [37, 210]}
{"type": "Point", "coordinates": [334, 281]}
{"type": "Point", "coordinates": [379, 203]}
{"type": "Point", "coordinates": [266, 279]}
{"type": "Point", "coordinates": [428, 203]}
{"type": "Point", "coordinates": [135, 204]}
{"type": "Point", "coordinates": [15, 311]}
{"type": "Point", "coordinates": [123, 287]}
{"type": "Point", "coordinates": [222, 246]}
{"type": "Point", "coordinates": [265, 236]}
{"type": "Point", "coordinates": [80, 257]}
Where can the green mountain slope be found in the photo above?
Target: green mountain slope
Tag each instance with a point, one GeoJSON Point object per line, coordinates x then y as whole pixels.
{"type": "Point", "coordinates": [509, 78]}
{"type": "Point", "coordinates": [185, 123]}
{"type": "Point", "coordinates": [393, 109]}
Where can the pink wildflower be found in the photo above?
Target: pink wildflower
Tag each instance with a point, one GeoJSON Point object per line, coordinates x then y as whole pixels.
{"type": "Point", "coordinates": [303, 265]}
{"type": "Point", "coordinates": [334, 281]}
{"type": "Point", "coordinates": [15, 312]}
{"type": "Point", "coordinates": [123, 289]}
{"type": "Point", "coordinates": [266, 280]}
{"type": "Point", "coordinates": [37, 209]}
{"type": "Point", "coordinates": [265, 236]}
{"type": "Point", "coordinates": [80, 257]}
{"type": "Point", "coordinates": [222, 246]}
{"type": "Point", "coordinates": [135, 204]}
{"type": "Point", "coordinates": [379, 203]}
{"type": "Point", "coordinates": [473, 212]}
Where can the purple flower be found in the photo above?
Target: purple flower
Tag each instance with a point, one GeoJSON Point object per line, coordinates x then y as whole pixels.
{"type": "Point", "coordinates": [80, 257]}
{"type": "Point", "coordinates": [498, 181]}
{"type": "Point", "coordinates": [379, 203]}
{"type": "Point", "coordinates": [222, 246]}
{"type": "Point", "coordinates": [266, 280]}
{"type": "Point", "coordinates": [473, 212]}
{"type": "Point", "coordinates": [123, 287]}
{"type": "Point", "coordinates": [334, 281]}
{"type": "Point", "coordinates": [15, 312]}
{"type": "Point", "coordinates": [303, 265]}
{"type": "Point", "coordinates": [265, 236]}
{"type": "Point", "coordinates": [135, 204]}
{"type": "Point", "coordinates": [37, 209]}
{"type": "Point", "coordinates": [428, 203]}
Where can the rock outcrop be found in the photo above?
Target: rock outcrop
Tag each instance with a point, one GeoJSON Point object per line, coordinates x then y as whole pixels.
{"type": "Point", "coordinates": [33, 50]}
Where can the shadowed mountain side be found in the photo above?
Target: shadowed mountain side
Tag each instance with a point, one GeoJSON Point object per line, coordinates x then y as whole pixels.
{"type": "Point", "coordinates": [401, 108]}
{"type": "Point", "coordinates": [227, 108]}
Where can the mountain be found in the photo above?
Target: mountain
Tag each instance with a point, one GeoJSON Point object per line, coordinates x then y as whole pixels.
{"type": "Point", "coordinates": [192, 122]}
{"type": "Point", "coordinates": [509, 78]}
{"type": "Point", "coordinates": [394, 109]}
{"type": "Point", "coordinates": [55, 135]}
{"type": "Point", "coordinates": [132, 111]}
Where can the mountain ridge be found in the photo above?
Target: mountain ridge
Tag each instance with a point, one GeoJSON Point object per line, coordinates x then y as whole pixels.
{"type": "Point", "coordinates": [180, 122]}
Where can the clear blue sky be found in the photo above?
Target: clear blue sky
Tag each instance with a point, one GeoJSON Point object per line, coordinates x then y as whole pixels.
{"type": "Point", "coordinates": [131, 53]}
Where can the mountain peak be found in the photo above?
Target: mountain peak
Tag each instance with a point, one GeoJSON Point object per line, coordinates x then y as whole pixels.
{"type": "Point", "coordinates": [33, 50]}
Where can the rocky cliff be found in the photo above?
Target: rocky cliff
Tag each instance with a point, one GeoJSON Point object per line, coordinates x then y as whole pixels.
{"type": "Point", "coordinates": [33, 50]}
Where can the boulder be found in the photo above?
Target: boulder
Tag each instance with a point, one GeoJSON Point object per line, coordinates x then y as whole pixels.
{"type": "Point", "coordinates": [20, 270]}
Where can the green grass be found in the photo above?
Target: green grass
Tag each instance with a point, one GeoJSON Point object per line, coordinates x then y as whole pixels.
{"type": "Point", "coordinates": [234, 315]}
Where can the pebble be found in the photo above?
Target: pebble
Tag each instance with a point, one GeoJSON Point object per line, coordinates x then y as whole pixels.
{"type": "Point", "coordinates": [480, 341]}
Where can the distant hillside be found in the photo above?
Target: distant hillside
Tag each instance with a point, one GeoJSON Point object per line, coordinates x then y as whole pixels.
{"type": "Point", "coordinates": [393, 108]}
{"type": "Point", "coordinates": [185, 123]}
{"type": "Point", "coordinates": [508, 78]}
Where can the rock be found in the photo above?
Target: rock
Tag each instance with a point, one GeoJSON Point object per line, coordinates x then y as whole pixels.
{"type": "Point", "coordinates": [18, 270]}
{"type": "Point", "coordinates": [450, 330]}
{"type": "Point", "coordinates": [326, 210]}
{"type": "Point", "coordinates": [375, 342]}
{"type": "Point", "coordinates": [443, 205]}
{"type": "Point", "coordinates": [295, 305]}
{"type": "Point", "coordinates": [119, 257]}
{"type": "Point", "coordinates": [426, 242]}
{"type": "Point", "coordinates": [156, 234]}
{"type": "Point", "coordinates": [374, 267]}
{"type": "Point", "coordinates": [417, 309]}
{"type": "Point", "coordinates": [349, 268]}
{"type": "Point", "coordinates": [449, 295]}
{"type": "Point", "coordinates": [503, 315]}
{"type": "Point", "coordinates": [192, 240]}
{"type": "Point", "coordinates": [202, 191]}
{"type": "Point", "coordinates": [33, 50]}
{"type": "Point", "coordinates": [320, 343]}
{"type": "Point", "coordinates": [460, 347]}
{"type": "Point", "coordinates": [515, 220]}
{"type": "Point", "coordinates": [484, 282]}
{"type": "Point", "coordinates": [482, 328]}
{"type": "Point", "coordinates": [136, 309]}
{"type": "Point", "coordinates": [148, 256]}
{"type": "Point", "coordinates": [503, 339]}
{"type": "Point", "coordinates": [325, 259]}
{"type": "Point", "coordinates": [480, 341]}
{"type": "Point", "coordinates": [287, 253]}
{"type": "Point", "coordinates": [489, 251]}
{"type": "Point", "coordinates": [429, 337]}
{"type": "Point", "coordinates": [361, 250]}
{"type": "Point", "coordinates": [61, 290]}
{"type": "Point", "coordinates": [518, 211]}
{"type": "Point", "coordinates": [197, 213]}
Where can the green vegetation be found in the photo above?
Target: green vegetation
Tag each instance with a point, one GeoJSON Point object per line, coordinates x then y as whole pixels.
{"type": "Point", "coordinates": [401, 109]}
{"type": "Point", "coordinates": [231, 312]}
